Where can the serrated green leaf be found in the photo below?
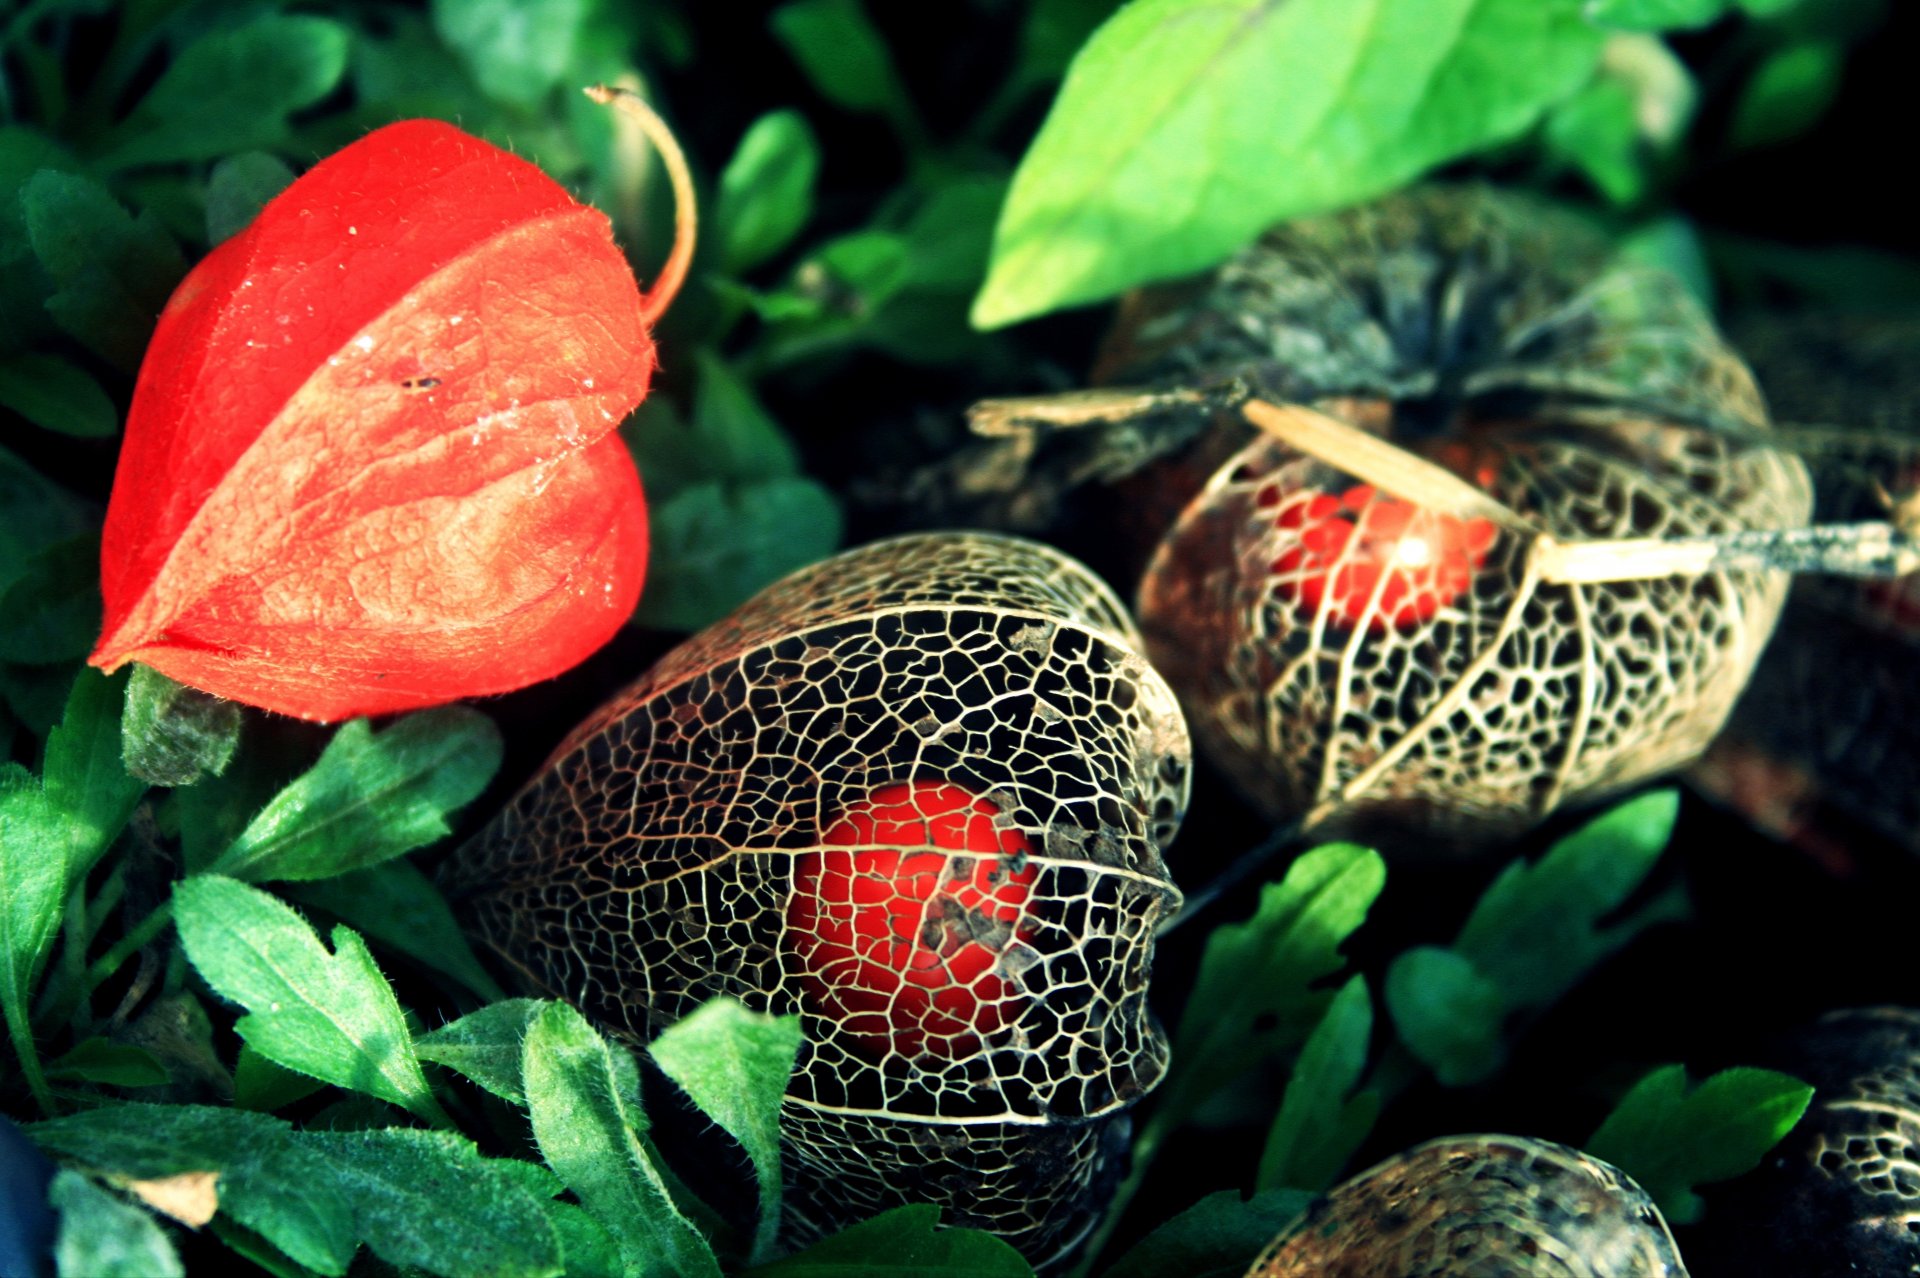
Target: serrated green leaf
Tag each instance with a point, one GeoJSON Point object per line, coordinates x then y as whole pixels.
{"type": "Point", "coordinates": [1788, 93]}
{"type": "Point", "coordinates": [1217, 1237]}
{"type": "Point", "coordinates": [1321, 1123]}
{"type": "Point", "coordinates": [332, 1016]}
{"type": "Point", "coordinates": [734, 1064]}
{"type": "Point", "coordinates": [269, 1181]}
{"type": "Point", "coordinates": [232, 90]}
{"type": "Point", "coordinates": [428, 1199]}
{"type": "Point", "coordinates": [1671, 1137]}
{"type": "Point", "coordinates": [486, 1046]}
{"type": "Point", "coordinates": [716, 545]}
{"type": "Point", "coordinates": [96, 1060]}
{"type": "Point", "coordinates": [1449, 1014]}
{"type": "Point", "coordinates": [174, 735]}
{"type": "Point", "coordinates": [371, 797]}
{"type": "Point", "coordinates": [1536, 930]}
{"type": "Point", "coordinates": [1187, 127]}
{"type": "Point", "coordinates": [905, 1240]}
{"type": "Point", "coordinates": [398, 906]}
{"type": "Point", "coordinates": [56, 395]}
{"type": "Point", "coordinates": [766, 191]}
{"type": "Point", "coordinates": [111, 272]}
{"type": "Point", "coordinates": [590, 1134]}
{"type": "Point", "coordinates": [53, 605]}
{"type": "Point", "coordinates": [516, 50]}
{"type": "Point", "coordinates": [239, 187]}
{"type": "Point", "coordinates": [102, 1235]}
{"type": "Point", "coordinates": [1656, 15]}
{"type": "Point", "coordinates": [846, 59]}
{"type": "Point", "coordinates": [1265, 971]}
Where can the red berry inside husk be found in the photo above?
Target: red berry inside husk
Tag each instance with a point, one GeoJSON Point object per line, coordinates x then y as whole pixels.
{"type": "Point", "coordinates": [900, 921]}
{"type": "Point", "coordinates": [1343, 549]}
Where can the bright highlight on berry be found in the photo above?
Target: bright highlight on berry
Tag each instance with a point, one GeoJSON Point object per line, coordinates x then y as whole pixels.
{"type": "Point", "coordinates": [1345, 549]}
{"type": "Point", "coordinates": [899, 943]}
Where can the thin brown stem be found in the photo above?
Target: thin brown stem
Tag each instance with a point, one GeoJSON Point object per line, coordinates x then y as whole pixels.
{"type": "Point", "coordinates": [685, 211]}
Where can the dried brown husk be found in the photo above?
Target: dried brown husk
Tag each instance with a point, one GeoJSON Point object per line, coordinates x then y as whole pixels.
{"type": "Point", "coordinates": [1483, 1206]}
{"type": "Point", "coordinates": [649, 866]}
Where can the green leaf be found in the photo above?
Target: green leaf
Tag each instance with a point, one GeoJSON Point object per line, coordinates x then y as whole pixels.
{"type": "Point", "coordinates": [1319, 1127]}
{"type": "Point", "coordinates": [586, 1248]}
{"type": "Point", "coordinates": [1672, 244]}
{"type": "Point", "coordinates": [238, 188]}
{"type": "Point", "coordinates": [112, 273]}
{"type": "Point", "coordinates": [53, 605]}
{"type": "Point", "coordinates": [175, 735]}
{"type": "Point", "coordinates": [262, 1086]}
{"type": "Point", "coordinates": [428, 1199]}
{"type": "Point", "coordinates": [398, 906]}
{"type": "Point", "coordinates": [1655, 15]}
{"type": "Point", "coordinates": [836, 44]}
{"type": "Point", "coordinates": [104, 1236]}
{"type": "Point", "coordinates": [766, 190]}
{"type": "Point", "coordinates": [329, 1015]}
{"type": "Point", "coordinates": [1536, 930]}
{"type": "Point", "coordinates": [1186, 127]}
{"type": "Point", "coordinates": [738, 438]}
{"type": "Point", "coordinates": [371, 797]}
{"type": "Point", "coordinates": [96, 1060]}
{"type": "Point", "coordinates": [486, 1046]}
{"type": "Point", "coordinates": [905, 1240]}
{"type": "Point", "coordinates": [56, 395]}
{"type": "Point", "coordinates": [590, 1135]}
{"type": "Point", "coordinates": [1255, 997]}
{"type": "Point", "coordinates": [269, 1181]}
{"type": "Point", "coordinates": [1217, 1237]}
{"type": "Point", "coordinates": [23, 284]}
{"type": "Point", "coordinates": [516, 50]}
{"type": "Point", "coordinates": [1053, 32]}
{"type": "Point", "coordinates": [84, 777]}
{"type": "Point", "coordinates": [232, 91]}
{"type": "Point", "coordinates": [1787, 94]}
{"type": "Point", "coordinates": [1596, 132]}
{"type": "Point", "coordinates": [1671, 1137]}
{"type": "Point", "coordinates": [717, 545]}
{"type": "Point", "coordinates": [34, 838]}
{"type": "Point", "coordinates": [1448, 1013]}
{"type": "Point", "coordinates": [734, 1064]}
{"type": "Point", "coordinates": [35, 513]}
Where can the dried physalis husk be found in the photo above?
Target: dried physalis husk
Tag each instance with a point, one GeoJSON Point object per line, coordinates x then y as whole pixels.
{"type": "Point", "coordinates": [1430, 618]}
{"type": "Point", "coordinates": [1479, 1207]}
{"type": "Point", "coordinates": [1827, 738]}
{"type": "Point", "coordinates": [1840, 1196]}
{"type": "Point", "coordinates": [918, 794]}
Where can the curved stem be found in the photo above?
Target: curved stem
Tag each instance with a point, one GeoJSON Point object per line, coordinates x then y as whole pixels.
{"type": "Point", "coordinates": [685, 212]}
{"type": "Point", "coordinates": [138, 937]}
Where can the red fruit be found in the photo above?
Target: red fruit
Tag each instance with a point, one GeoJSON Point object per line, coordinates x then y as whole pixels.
{"type": "Point", "coordinates": [370, 463]}
{"type": "Point", "coordinates": [899, 937]}
{"type": "Point", "coordinates": [1344, 548]}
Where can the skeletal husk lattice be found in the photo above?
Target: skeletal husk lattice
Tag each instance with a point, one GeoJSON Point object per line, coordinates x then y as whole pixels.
{"type": "Point", "coordinates": [1479, 1207]}
{"type": "Point", "coordinates": [917, 794]}
{"type": "Point", "coordinates": [1356, 657]}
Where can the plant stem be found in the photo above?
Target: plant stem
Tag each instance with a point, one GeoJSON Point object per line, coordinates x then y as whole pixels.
{"type": "Point", "coordinates": [21, 1033]}
{"type": "Point", "coordinates": [138, 937]}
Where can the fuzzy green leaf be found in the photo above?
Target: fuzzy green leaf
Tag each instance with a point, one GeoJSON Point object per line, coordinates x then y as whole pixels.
{"type": "Point", "coordinates": [111, 272]}
{"type": "Point", "coordinates": [486, 1046]}
{"type": "Point", "coordinates": [428, 1199]}
{"type": "Point", "coordinates": [836, 44]}
{"type": "Point", "coordinates": [84, 777]}
{"type": "Point", "coordinates": [238, 188]}
{"type": "Point", "coordinates": [715, 545]}
{"type": "Point", "coordinates": [1448, 1013]}
{"type": "Point", "coordinates": [371, 797]}
{"type": "Point", "coordinates": [396, 905]}
{"type": "Point", "coordinates": [53, 605]}
{"type": "Point", "coordinates": [590, 1134]}
{"type": "Point", "coordinates": [734, 1064]}
{"type": "Point", "coordinates": [232, 91]}
{"type": "Point", "coordinates": [516, 50]}
{"type": "Point", "coordinates": [905, 1240]}
{"type": "Point", "coordinates": [96, 1060]}
{"type": "Point", "coordinates": [1267, 970]}
{"type": "Point", "coordinates": [34, 841]}
{"type": "Point", "coordinates": [57, 395]}
{"type": "Point", "coordinates": [1186, 127]}
{"type": "Point", "coordinates": [586, 1247]}
{"type": "Point", "coordinates": [102, 1235]}
{"type": "Point", "coordinates": [1655, 15]}
{"type": "Point", "coordinates": [1321, 1123]}
{"type": "Point", "coordinates": [1671, 1137]}
{"type": "Point", "coordinates": [332, 1016]}
{"type": "Point", "coordinates": [174, 735]}
{"type": "Point", "coordinates": [262, 1086]}
{"type": "Point", "coordinates": [1217, 1237]}
{"type": "Point", "coordinates": [766, 190]}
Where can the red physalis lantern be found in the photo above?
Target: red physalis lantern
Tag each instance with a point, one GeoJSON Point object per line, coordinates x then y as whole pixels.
{"type": "Point", "coordinates": [900, 921]}
{"type": "Point", "coordinates": [371, 462]}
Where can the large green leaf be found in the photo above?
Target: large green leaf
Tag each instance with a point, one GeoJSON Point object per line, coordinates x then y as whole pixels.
{"type": "Point", "coordinates": [906, 1240]}
{"type": "Point", "coordinates": [486, 1046]}
{"type": "Point", "coordinates": [84, 775]}
{"type": "Point", "coordinates": [1186, 127]}
{"type": "Point", "coordinates": [396, 905]}
{"type": "Point", "coordinates": [766, 190]}
{"type": "Point", "coordinates": [102, 1235]}
{"type": "Point", "coordinates": [1321, 1122]}
{"type": "Point", "coordinates": [517, 50]}
{"type": "Point", "coordinates": [1217, 1237]}
{"type": "Point", "coordinates": [33, 879]}
{"type": "Point", "coordinates": [57, 395]}
{"type": "Point", "coordinates": [111, 272]}
{"type": "Point", "coordinates": [716, 545]}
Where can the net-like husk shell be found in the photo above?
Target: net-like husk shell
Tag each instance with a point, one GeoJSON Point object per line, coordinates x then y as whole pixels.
{"type": "Point", "coordinates": [1479, 1207]}
{"type": "Point", "coordinates": [650, 865]}
{"type": "Point", "coordinates": [1500, 340]}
